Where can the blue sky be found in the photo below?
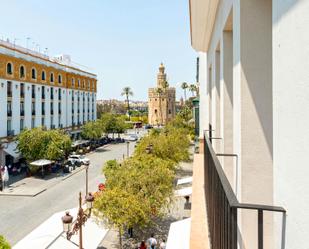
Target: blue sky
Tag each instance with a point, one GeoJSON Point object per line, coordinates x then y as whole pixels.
{"type": "Point", "coordinates": [123, 41]}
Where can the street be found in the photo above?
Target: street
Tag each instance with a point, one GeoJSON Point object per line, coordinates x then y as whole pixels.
{"type": "Point", "coordinates": [20, 215]}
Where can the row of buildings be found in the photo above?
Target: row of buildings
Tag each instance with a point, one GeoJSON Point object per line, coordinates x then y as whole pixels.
{"type": "Point", "coordinates": [250, 180]}
{"type": "Point", "coordinates": [36, 90]}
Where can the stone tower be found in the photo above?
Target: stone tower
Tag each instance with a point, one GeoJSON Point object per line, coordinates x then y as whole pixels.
{"type": "Point", "coordinates": [161, 100]}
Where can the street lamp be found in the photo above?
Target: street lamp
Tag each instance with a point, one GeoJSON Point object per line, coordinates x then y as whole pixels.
{"type": "Point", "coordinates": [128, 143]}
{"type": "Point", "coordinates": [71, 227]}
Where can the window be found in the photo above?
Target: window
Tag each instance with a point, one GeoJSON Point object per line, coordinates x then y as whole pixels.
{"type": "Point", "coordinates": [43, 121]}
{"type": "Point", "coordinates": [83, 84]}
{"type": "Point", "coordinates": [43, 75]}
{"type": "Point", "coordinates": [33, 91]}
{"type": "Point", "coordinates": [33, 73]}
{"type": "Point", "coordinates": [9, 89]}
{"type": "Point", "coordinates": [88, 84]}
{"type": "Point", "coordinates": [9, 108]}
{"type": "Point", "coordinates": [22, 109]}
{"type": "Point", "coordinates": [9, 68]}
{"type": "Point", "coordinates": [43, 92]}
{"type": "Point", "coordinates": [32, 123]}
{"type": "Point", "coordinates": [9, 125]}
{"type": "Point", "coordinates": [52, 121]}
{"type": "Point", "coordinates": [52, 108]}
{"type": "Point", "coordinates": [22, 90]}
{"type": "Point", "coordinates": [156, 111]}
{"type": "Point", "coordinates": [59, 79]}
{"type": "Point", "coordinates": [72, 82]}
{"type": "Point", "coordinates": [52, 93]}
{"type": "Point", "coordinates": [33, 108]}
{"type": "Point", "coordinates": [169, 111]}
{"type": "Point", "coordinates": [22, 72]}
{"type": "Point", "coordinates": [43, 108]}
{"type": "Point", "coordinates": [51, 77]}
{"type": "Point", "coordinates": [78, 83]}
{"type": "Point", "coordinates": [21, 124]}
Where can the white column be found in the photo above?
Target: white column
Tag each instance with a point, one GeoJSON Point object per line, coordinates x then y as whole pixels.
{"type": "Point", "coordinates": [3, 110]}
{"type": "Point", "coordinates": [226, 89]}
{"type": "Point", "coordinates": [38, 105]}
{"type": "Point", "coordinates": [15, 121]}
{"type": "Point", "coordinates": [47, 107]}
{"type": "Point", "coordinates": [291, 118]}
{"type": "Point", "coordinates": [252, 112]}
{"type": "Point", "coordinates": [28, 100]}
{"type": "Point", "coordinates": [204, 96]}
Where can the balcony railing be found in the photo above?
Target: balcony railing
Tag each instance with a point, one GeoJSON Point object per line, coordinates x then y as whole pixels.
{"type": "Point", "coordinates": [222, 205]}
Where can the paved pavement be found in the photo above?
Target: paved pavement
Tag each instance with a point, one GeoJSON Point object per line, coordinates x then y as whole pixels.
{"type": "Point", "coordinates": [19, 215]}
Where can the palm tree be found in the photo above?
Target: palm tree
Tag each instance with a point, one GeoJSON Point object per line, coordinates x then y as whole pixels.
{"type": "Point", "coordinates": [193, 89]}
{"type": "Point", "coordinates": [184, 86]}
{"type": "Point", "coordinates": [127, 91]}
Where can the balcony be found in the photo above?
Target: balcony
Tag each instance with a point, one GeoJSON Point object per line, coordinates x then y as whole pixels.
{"type": "Point", "coordinates": [9, 113]}
{"type": "Point", "coordinates": [22, 113]}
{"type": "Point", "coordinates": [22, 94]}
{"type": "Point", "coordinates": [9, 93]}
{"type": "Point", "coordinates": [10, 133]}
{"type": "Point", "coordinates": [33, 112]}
{"type": "Point", "coordinates": [220, 223]}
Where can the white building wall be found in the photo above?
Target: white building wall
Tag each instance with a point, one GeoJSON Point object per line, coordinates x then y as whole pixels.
{"type": "Point", "coordinates": [38, 105]}
{"type": "Point", "coordinates": [291, 118]}
{"type": "Point", "coordinates": [75, 106]}
{"type": "Point", "coordinates": [27, 101]}
{"type": "Point", "coordinates": [47, 107]}
{"type": "Point", "coordinates": [203, 104]}
{"type": "Point", "coordinates": [56, 115]}
{"type": "Point", "coordinates": [3, 110]}
{"type": "Point", "coordinates": [15, 107]}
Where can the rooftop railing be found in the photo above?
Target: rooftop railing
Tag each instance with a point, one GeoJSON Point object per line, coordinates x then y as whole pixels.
{"type": "Point", "coordinates": [222, 205]}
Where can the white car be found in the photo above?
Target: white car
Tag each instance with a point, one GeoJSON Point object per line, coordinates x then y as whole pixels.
{"type": "Point", "coordinates": [79, 159]}
{"type": "Point", "coordinates": [131, 137]}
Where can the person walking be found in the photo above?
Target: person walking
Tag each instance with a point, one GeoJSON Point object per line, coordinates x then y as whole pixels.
{"type": "Point", "coordinates": [143, 245]}
{"type": "Point", "coordinates": [162, 244]}
{"type": "Point", "coordinates": [152, 242]}
{"type": "Point", "coordinates": [5, 178]}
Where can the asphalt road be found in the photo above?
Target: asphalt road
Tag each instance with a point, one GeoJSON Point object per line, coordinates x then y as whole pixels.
{"type": "Point", "coordinates": [20, 215]}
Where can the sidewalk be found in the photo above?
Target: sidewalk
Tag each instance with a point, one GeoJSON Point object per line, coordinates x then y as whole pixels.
{"type": "Point", "coordinates": [32, 186]}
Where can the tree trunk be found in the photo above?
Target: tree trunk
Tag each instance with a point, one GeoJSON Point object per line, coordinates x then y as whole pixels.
{"type": "Point", "coordinates": [128, 106]}
{"type": "Point", "coordinates": [120, 239]}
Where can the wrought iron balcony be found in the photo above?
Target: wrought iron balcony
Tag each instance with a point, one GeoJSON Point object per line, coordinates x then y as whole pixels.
{"type": "Point", "coordinates": [222, 204]}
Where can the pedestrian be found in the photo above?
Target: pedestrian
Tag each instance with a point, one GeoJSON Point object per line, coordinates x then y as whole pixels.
{"type": "Point", "coordinates": [162, 244]}
{"type": "Point", "coordinates": [143, 245]}
{"type": "Point", "coordinates": [152, 241]}
{"type": "Point", "coordinates": [5, 177]}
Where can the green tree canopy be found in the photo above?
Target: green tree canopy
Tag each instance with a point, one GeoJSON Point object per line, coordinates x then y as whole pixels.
{"type": "Point", "coordinates": [3, 243]}
{"type": "Point", "coordinates": [92, 130]}
{"type": "Point", "coordinates": [38, 143]}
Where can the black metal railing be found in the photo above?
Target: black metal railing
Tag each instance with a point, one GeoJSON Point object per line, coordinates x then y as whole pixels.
{"type": "Point", "coordinates": [222, 205]}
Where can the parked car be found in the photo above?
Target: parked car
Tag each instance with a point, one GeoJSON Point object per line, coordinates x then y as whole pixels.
{"type": "Point", "coordinates": [131, 137]}
{"type": "Point", "coordinates": [148, 126]}
{"type": "Point", "coordinates": [119, 140]}
{"type": "Point", "coordinates": [79, 160]}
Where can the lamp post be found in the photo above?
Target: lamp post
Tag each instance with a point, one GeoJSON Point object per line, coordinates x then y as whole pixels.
{"type": "Point", "coordinates": [87, 167]}
{"type": "Point", "coordinates": [70, 227]}
{"type": "Point", "coordinates": [128, 143]}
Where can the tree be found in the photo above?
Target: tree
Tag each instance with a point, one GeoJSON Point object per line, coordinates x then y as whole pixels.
{"type": "Point", "coordinates": [38, 143]}
{"type": "Point", "coordinates": [3, 243]}
{"type": "Point", "coordinates": [184, 86]}
{"type": "Point", "coordinates": [113, 123]}
{"type": "Point", "coordinates": [193, 89]}
{"type": "Point", "coordinates": [131, 197]}
{"type": "Point", "coordinates": [127, 92]}
{"type": "Point", "coordinates": [92, 130]}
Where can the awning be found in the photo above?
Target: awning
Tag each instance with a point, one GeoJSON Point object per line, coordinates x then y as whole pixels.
{"type": "Point", "coordinates": [179, 235]}
{"type": "Point", "coordinates": [184, 191]}
{"type": "Point", "coordinates": [12, 150]}
{"type": "Point", "coordinates": [41, 162]}
{"type": "Point", "coordinates": [49, 234]}
{"type": "Point", "coordinates": [184, 180]}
